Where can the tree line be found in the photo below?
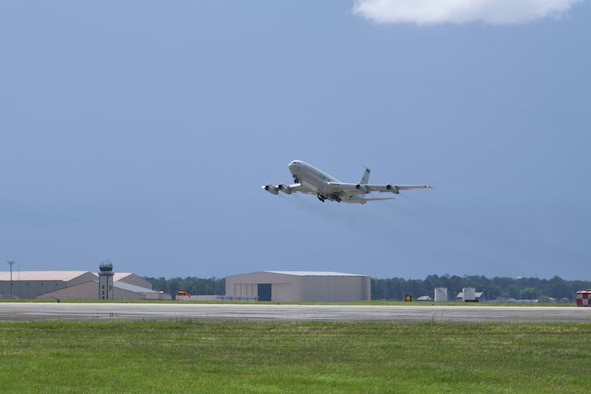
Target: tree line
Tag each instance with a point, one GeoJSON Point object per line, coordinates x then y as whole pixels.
{"type": "Point", "coordinates": [190, 284]}
{"type": "Point", "coordinates": [497, 288]}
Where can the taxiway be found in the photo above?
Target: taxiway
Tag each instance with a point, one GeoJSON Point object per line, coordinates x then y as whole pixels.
{"type": "Point", "coordinates": [10, 311]}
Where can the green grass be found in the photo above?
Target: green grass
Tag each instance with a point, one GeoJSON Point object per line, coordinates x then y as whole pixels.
{"type": "Point", "coordinates": [304, 357]}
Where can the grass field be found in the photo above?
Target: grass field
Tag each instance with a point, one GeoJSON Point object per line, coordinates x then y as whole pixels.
{"type": "Point", "coordinates": [306, 357]}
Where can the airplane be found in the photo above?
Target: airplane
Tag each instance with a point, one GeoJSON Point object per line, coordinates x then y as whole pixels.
{"type": "Point", "coordinates": [310, 180]}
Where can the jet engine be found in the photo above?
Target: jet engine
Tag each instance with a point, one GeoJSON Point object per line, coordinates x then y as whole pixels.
{"type": "Point", "coordinates": [363, 188]}
{"type": "Point", "coordinates": [284, 188]}
{"type": "Point", "coordinates": [394, 189]}
{"type": "Point", "coordinates": [271, 189]}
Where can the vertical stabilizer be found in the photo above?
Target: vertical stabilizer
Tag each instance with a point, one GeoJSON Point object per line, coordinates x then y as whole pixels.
{"type": "Point", "coordinates": [365, 178]}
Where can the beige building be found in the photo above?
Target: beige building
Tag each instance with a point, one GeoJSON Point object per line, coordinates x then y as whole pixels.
{"type": "Point", "coordinates": [75, 285]}
{"type": "Point", "coordinates": [294, 286]}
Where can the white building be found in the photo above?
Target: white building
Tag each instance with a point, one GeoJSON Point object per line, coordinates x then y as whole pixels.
{"type": "Point", "coordinates": [294, 286]}
{"type": "Point", "coordinates": [469, 294]}
{"type": "Point", "coordinates": [440, 294]}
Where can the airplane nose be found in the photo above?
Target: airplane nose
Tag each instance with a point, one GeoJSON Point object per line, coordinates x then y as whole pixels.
{"type": "Point", "coordinates": [293, 166]}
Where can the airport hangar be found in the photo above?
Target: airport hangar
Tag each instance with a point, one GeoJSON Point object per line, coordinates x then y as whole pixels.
{"type": "Point", "coordinates": [76, 285]}
{"type": "Point", "coordinates": [295, 286]}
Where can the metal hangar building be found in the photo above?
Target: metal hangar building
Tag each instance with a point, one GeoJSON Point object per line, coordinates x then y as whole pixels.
{"type": "Point", "coordinates": [295, 286]}
{"type": "Point", "coordinates": [75, 285]}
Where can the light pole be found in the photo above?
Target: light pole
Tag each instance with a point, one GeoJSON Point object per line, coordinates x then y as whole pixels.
{"type": "Point", "coordinates": [11, 263]}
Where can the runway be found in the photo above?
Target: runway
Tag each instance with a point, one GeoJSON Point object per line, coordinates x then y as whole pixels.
{"type": "Point", "coordinates": [278, 312]}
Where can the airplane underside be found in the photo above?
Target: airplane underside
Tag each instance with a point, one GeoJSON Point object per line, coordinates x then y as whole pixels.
{"type": "Point", "coordinates": [339, 198]}
{"type": "Point", "coordinates": [329, 197]}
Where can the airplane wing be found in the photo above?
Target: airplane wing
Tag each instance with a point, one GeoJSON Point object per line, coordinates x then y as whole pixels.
{"type": "Point", "coordinates": [288, 189]}
{"type": "Point", "coordinates": [395, 188]}
{"type": "Point", "coordinates": [297, 187]}
{"type": "Point", "coordinates": [353, 188]}
{"type": "Point", "coordinates": [337, 187]}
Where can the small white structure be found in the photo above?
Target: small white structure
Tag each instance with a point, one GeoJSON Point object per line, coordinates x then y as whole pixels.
{"type": "Point", "coordinates": [469, 294]}
{"type": "Point", "coordinates": [441, 294]}
{"type": "Point", "coordinates": [294, 286]}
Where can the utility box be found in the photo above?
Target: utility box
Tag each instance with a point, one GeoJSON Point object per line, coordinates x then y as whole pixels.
{"type": "Point", "coordinates": [469, 294]}
{"type": "Point", "coordinates": [440, 294]}
{"type": "Point", "coordinates": [583, 297]}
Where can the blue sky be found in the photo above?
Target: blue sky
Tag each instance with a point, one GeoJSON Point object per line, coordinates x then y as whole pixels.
{"type": "Point", "coordinates": [141, 132]}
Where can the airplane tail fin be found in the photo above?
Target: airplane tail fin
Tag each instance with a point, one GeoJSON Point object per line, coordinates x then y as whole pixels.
{"type": "Point", "coordinates": [365, 178]}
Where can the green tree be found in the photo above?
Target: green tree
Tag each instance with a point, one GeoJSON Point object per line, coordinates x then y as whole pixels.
{"type": "Point", "coordinates": [529, 293]}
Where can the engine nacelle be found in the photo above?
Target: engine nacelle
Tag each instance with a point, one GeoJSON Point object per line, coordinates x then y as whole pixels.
{"type": "Point", "coordinates": [285, 189]}
{"type": "Point", "coordinates": [394, 189]}
{"type": "Point", "coordinates": [271, 189]}
{"type": "Point", "coordinates": [361, 187]}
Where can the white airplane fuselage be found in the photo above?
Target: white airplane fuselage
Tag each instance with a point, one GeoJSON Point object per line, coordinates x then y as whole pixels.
{"type": "Point", "coordinates": [315, 180]}
{"type": "Point", "coordinates": [309, 175]}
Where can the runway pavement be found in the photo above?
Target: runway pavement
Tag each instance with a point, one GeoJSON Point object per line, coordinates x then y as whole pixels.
{"type": "Point", "coordinates": [278, 312]}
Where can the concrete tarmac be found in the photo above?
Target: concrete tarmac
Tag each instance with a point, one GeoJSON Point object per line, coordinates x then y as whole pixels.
{"type": "Point", "coordinates": [10, 311]}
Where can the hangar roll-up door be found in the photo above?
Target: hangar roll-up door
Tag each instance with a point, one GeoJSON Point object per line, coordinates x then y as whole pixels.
{"type": "Point", "coordinates": [264, 291]}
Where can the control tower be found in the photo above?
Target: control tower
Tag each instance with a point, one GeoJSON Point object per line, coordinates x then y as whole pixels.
{"type": "Point", "coordinates": [105, 291]}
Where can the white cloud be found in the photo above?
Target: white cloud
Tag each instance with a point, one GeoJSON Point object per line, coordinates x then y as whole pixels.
{"type": "Point", "coordinates": [494, 12]}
